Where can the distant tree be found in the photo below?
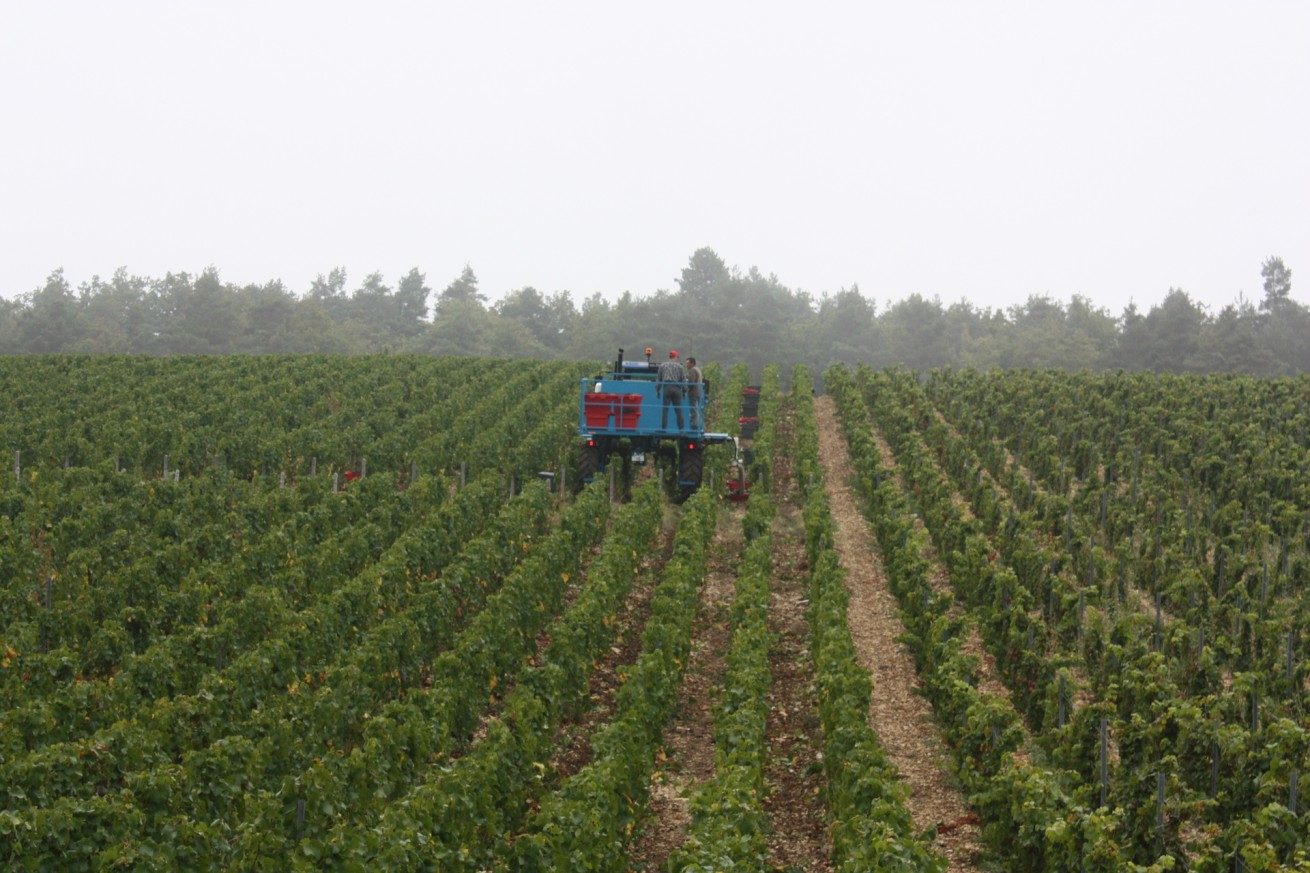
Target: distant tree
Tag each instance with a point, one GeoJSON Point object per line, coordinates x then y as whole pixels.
{"type": "Point", "coordinates": [330, 293]}
{"type": "Point", "coordinates": [1236, 342]}
{"type": "Point", "coordinates": [916, 335]}
{"type": "Point", "coordinates": [462, 290]}
{"type": "Point", "coordinates": [51, 319]}
{"type": "Point", "coordinates": [844, 329]}
{"type": "Point", "coordinates": [1277, 282]}
{"type": "Point", "coordinates": [204, 315]}
{"type": "Point", "coordinates": [412, 301]}
{"type": "Point", "coordinates": [705, 270]}
{"type": "Point", "coordinates": [269, 315]}
{"type": "Point", "coordinates": [1169, 338]}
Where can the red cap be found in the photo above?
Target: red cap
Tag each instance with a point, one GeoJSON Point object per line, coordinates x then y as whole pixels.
{"type": "Point", "coordinates": [673, 353]}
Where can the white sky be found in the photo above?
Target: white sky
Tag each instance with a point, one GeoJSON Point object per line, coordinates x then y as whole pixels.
{"type": "Point", "coordinates": [986, 150]}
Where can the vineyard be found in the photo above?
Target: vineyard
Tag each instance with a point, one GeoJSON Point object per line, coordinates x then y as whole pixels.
{"type": "Point", "coordinates": [323, 613]}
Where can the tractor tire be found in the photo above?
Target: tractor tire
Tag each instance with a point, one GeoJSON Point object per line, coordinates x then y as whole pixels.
{"type": "Point", "coordinates": [691, 467]}
{"type": "Point", "coordinates": [590, 464]}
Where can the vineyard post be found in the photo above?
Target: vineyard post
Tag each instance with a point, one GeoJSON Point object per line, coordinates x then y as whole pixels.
{"type": "Point", "coordinates": [1159, 806]}
{"type": "Point", "coordinates": [1082, 614]}
{"type": "Point", "coordinates": [18, 465]}
{"type": "Point", "coordinates": [313, 465]}
{"type": "Point", "coordinates": [613, 469]}
{"type": "Point", "coordinates": [300, 813]}
{"type": "Point", "coordinates": [177, 475]}
{"type": "Point", "coordinates": [363, 467]}
{"type": "Point", "coordinates": [413, 471]}
{"type": "Point", "coordinates": [563, 479]}
{"type": "Point", "coordinates": [1214, 768]}
{"type": "Point", "coordinates": [165, 465]}
{"type": "Point", "coordinates": [463, 473]}
{"type": "Point", "coordinates": [1293, 790]}
{"type": "Point", "coordinates": [282, 479]}
{"type": "Point", "coordinates": [1255, 710]}
{"type": "Point", "coordinates": [511, 483]}
{"type": "Point", "coordinates": [1105, 759]}
{"type": "Point", "coordinates": [1291, 654]}
{"type": "Point", "coordinates": [1159, 618]}
{"type": "Point", "coordinates": [1060, 714]}
{"type": "Point", "coordinates": [336, 481]}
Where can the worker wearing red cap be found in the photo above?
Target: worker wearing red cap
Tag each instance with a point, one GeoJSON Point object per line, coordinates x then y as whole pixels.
{"type": "Point", "coordinates": [669, 380]}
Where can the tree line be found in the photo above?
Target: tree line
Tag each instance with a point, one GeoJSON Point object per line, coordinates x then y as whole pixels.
{"type": "Point", "coordinates": [717, 312]}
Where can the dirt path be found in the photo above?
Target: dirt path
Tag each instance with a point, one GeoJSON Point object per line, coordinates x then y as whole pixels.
{"type": "Point", "coordinates": [798, 838]}
{"type": "Point", "coordinates": [687, 757]}
{"type": "Point", "coordinates": [900, 717]}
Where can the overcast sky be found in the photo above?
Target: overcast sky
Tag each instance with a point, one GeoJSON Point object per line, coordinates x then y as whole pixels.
{"type": "Point", "coordinates": [980, 150]}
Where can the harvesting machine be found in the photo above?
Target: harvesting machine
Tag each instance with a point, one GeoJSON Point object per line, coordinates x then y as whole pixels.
{"type": "Point", "coordinates": [622, 411]}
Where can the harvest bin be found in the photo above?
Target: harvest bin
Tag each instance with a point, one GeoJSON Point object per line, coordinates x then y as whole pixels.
{"type": "Point", "coordinates": [600, 406]}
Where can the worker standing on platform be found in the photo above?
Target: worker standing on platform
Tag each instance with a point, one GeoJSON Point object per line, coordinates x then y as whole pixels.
{"type": "Point", "coordinates": [695, 378]}
{"type": "Point", "coordinates": [669, 379]}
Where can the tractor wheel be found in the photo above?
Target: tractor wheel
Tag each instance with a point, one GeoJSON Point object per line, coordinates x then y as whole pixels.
{"type": "Point", "coordinates": [589, 464]}
{"type": "Point", "coordinates": [691, 465]}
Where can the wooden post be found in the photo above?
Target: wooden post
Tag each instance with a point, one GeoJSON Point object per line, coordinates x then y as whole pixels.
{"type": "Point", "coordinates": [563, 479]}
{"type": "Point", "coordinates": [1293, 790]}
{"type": "Point", "coordinates": [1082, 614]}
{"type": "Point", "coordinates": [1159, 804]}
{"type": "Point", "coordinates": [612, 482]}
{"type": "Point", "coordinates": [463, 473]}
{"type": "Point", "coordinates": [1291, 654]}
{"type": "Point", "coordinates": [300, 812]}
{"type": "Point", "coordinates": [49, 592]}
{"type": "Point", "coordinates": [18, 465]}
{"type": "Point", "coordinates": [165, 465]}
{"type": "Point", "coordinates": [336, 482]}
{"type": "Point", "coordinates": [1060, 714]}
{"type": "Point", "coordinates": [363, 467]}
{"type": "Point", "coordinates": [313, 465]}
{"type": "Point", "coordinates": [1159, 621]}
{"type": "Point", "coordinates": [1105, 760]}
{"type": "Point", "coordinates": [413, 472]}
{"type": "Point", "coordinates": [282, 479]}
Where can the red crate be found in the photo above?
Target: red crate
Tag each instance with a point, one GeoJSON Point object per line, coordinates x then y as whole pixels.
{"type": "Point", "coordinates": [629, 410]}
{"type": "Point", "coordinates": [598, 408]}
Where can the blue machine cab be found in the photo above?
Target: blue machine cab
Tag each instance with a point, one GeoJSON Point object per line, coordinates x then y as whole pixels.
{"type": "Point", "coordinates": [624, 410]}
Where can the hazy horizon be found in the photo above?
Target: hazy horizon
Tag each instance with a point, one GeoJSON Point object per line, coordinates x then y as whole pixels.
{"type": "Point", "coordinates": [985, 153]}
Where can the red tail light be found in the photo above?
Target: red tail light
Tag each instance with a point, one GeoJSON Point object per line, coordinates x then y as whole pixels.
{"type": "Point", "coordinates": [591, 444]}
{"type": "Point", "coordinates": [691, 447]}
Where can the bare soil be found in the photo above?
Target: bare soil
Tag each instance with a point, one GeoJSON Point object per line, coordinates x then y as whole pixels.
{"type": "Point", "coordinates": [798, 838]}
{"type": "Point", "coordinates": [900, 717]}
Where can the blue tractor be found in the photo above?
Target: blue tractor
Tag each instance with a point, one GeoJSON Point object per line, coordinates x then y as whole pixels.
{"type": "Point", "coordinates": [623, 410]}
